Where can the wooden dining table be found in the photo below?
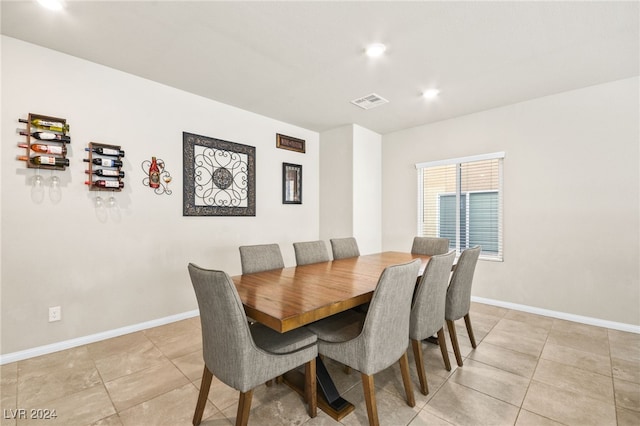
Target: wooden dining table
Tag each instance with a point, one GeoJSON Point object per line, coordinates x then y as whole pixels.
{"type": "Point", "coordinates": [288, 298]}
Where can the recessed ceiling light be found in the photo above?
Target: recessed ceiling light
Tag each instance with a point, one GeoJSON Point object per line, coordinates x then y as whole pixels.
{"type": "Point", "coordinates": [51, 4]}
{"type": "Point", "coordinates": [431, 93]}
{"type": "Point", "coordinates": [375, 50]}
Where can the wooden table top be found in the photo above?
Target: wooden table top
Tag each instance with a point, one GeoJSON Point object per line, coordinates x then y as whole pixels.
{"type": "Point", "coordinates": [285, 299]}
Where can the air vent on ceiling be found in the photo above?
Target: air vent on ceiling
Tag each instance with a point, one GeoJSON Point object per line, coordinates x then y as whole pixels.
{"type": "Point", "coordinates": [370, 101]}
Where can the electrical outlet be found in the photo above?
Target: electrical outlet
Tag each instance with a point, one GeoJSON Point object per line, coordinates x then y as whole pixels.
{"type": "Point", "coordinates": [55, 313]}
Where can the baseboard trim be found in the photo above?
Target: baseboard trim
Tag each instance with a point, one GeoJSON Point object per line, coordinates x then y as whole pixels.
{"type": "Point", "coordinates": [79, 341]}
{"type": "Point", "coordinates": [560, 315]}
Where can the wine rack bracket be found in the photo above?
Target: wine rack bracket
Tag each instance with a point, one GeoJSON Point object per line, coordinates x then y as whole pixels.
{"type": "Point", "coordinates": [32, 128]}
{"type": "Point", "coordinates": [93, 167]}
{"type": "Point", "coordinates": [165, 177]}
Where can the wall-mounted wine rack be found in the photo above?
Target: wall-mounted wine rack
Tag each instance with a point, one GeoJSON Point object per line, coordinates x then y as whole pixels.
{"type": "Point", "coordinates": [53, 135]}
{"type": "Point", "coordinates": [112, 175]}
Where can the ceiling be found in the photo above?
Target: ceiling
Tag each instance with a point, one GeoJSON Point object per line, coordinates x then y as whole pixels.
{"type": "Point", "coordinates": [303, 62]}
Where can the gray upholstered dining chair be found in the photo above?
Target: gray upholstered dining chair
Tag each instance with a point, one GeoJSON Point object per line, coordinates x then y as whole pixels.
{"type": "Point", "coordinates": [430, 245]}
{"type": "Point", "coordinates": [242, 355]}
{"type": "Point", "coordinates": [373, 342]}
{"type": "Point", "coordinates": [459, 297]}
{"type": "Point", "coordinates": [427, 312]}
{"type": "Point", "coordinates": [344, 247]}
{"type": "Point", "coordinates": [311, 252]}
{"type": "Point", "coordinates": [262, 257]}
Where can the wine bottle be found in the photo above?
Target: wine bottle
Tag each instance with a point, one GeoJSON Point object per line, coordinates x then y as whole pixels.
{"type": "Point", "coordinates": [55, 126]}
{"type": "Point", "coordinates": [106, 183]}
{"type": "Point", "coordinates": [46, 136]}
{"type": "Point", "coordinates": [154, 174]}
{"type": "Point", "coordinates": [105, 162]}
{"type": "Point", "coordinates": [107, 151]}
{"type": "Point", "coordinates": [42, 160]}
{"type": "Point", "coordinates": [45, 149]}
{"type": "Point", "coordinates": [107, 172]}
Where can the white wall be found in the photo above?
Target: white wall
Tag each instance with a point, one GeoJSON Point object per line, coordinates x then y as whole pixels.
{"type": "Point", "coordinates": [336, 183]}
{"type": "Point", "coordinates": [571, 197]}
{"type": "Point", "coordinates": [130, 265]}
{"type": "Point", "coordinates": [367, 189]}
{"type": "Point", "coordinates": [351, 186]}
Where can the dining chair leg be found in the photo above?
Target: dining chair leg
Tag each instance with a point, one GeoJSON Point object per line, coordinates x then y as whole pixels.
{"type": "Point", "coordinates": [310, 387]}
{"type": "Point", "coordinates": [422, 376]}
{"type": "Point", "coordinates": [244, 406]}
{"type": "Point", "coordinates": [370, 399]}
{"type": "Point", "coordinates": [406, 380]}
{"type": "Point", "coordinates": [443, 349]}
{"type": "Point", "coordinates": [454, 341]}
{"type": "Point", "coordinates": [205, 385]}
{"type": "Point", "coordinates": [467, 322]}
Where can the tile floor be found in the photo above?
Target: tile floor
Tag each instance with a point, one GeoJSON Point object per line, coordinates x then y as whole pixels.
{"type": "Point", "coordinates": [526, 370]}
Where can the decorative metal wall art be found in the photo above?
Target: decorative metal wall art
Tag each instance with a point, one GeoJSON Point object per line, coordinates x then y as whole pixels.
{"type": "Point", "coordinates": [290, 143]}
{"type": "Point", "coordinates": [157, 177]}
{"type": "Point", "coordinates": [219, 177]}
{"type": "Point", "coordinates": [291, 183]}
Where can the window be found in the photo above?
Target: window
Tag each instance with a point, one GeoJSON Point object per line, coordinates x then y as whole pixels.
{"type": "Point", "coordinates": [461, 199]}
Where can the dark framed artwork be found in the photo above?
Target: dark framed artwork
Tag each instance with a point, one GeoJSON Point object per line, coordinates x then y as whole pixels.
{"type": "Point", "coordinates": [291, 183]}
{"type": "Point", "coordinates": [219, 177]}
{"type": "Point", "coordinates": [290, 143]}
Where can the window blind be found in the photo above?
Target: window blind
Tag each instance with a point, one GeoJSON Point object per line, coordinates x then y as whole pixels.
{"type": "Point", "coordinates": [461, 199]}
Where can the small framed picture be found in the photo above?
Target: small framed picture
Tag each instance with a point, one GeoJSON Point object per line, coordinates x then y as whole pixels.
{"type": "Point", "coordinates": [291, 183]}
{"type": "Point", "coordinates": [290, 143]}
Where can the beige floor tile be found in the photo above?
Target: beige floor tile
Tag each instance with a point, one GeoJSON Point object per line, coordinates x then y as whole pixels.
{"type": "Point", "coordinates": [560, 372]}
{"type": "Point", "coordinates": [527, 418]}
{"type": "Point", "coordinates": [113, 420]}
{"type": "Point", "coordinates": [434, 364]}
{"type": "Point", "coordinates": [483, 308]}
{"type": "Point", "coordinates": [135, 358]}
{"type": "Point", "coordinates": [322, 419]}
{"type": "Point", "coordinates": [143, 385]}
{"type": "Point", "coordinates": [568, 406]}
{"type": "Point", "coordinates": [517, 336]}
{"type": "Point", "coordinates": [461, 405]}
{"type": "Point", "coordinates": [579, 336]}
{"type": "Point", "coordinates": [177, 339]}
{"type": "Point", "coordinates": [588, 361]}
{"type": "Point", "coordinates": [191, 365]}
{"type": "Point", "coordinates": [221, 395]}
{"type": "Point", "coordinates": [425, 418]}
{"type": "Point", "coordinates": [392, 410]}
{"type": "Point", "coordinates": [626, 370]}
{"type": "Point", "coordinates": [532, 319]}
{"type": "Point", "coordinates": [628, 417]}
{"type": "Point", "coordinates": [624, 345]}
{"type": "Point", "coordinates": [81, 408]}
{"type": "Point", "coordinates": [390, 380]}
{"type": "Point", "coordinates": [8, 393]}
{"type": "Point", "coordinates": [593, 331]}
{"type": "Point", "coordinates": [627, 394]}
{"type": "Point", "coordinates": [574, 379]}
{"type": "Point", "coordinates": [499, 384]}
{"type": "Point", "coordinates": [41, 381]}
{"type": "Point", "coordinates": [116, 345]}
{"type": "Point", "coordinates": [278, 406]}
{"type": "Point", "coordinates": [514, 362]}
{"type": "Point", "coordinates": [173, 408]}
{"type": "Point", "coordinates": [62, 360]}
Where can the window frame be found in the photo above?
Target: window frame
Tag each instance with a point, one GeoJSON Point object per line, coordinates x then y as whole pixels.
{"type": "Point", "coordinates": [420, 167]}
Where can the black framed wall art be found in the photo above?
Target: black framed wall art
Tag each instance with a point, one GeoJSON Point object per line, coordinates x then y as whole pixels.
{"type": "Point", "coordinates": [219, 177]}
{"type": "Point", "coordinates": [291, 183]}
